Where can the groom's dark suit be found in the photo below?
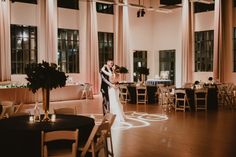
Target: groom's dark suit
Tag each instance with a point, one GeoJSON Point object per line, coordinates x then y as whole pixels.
{"type": "Point", "coordinates": [104, 90]}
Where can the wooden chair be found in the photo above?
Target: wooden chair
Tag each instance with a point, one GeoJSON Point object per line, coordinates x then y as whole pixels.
{"type": "Point", "coordinates": [181, 100]}
{"type": "Point", "coordinates": [123, 95]}
{"type": "Point", "coordinates": [110, 118]}
{"type": "Point", "coordinates": [87, 91]}
{"type": "Point", "coordinates": [141, 92]}
{"type": "Point", "coordinates": [7, 109]}
{"type": "Point", "coordinates": [65, 110]}
{"type": "Point", "coordinates": [200, 98]}
{"type": "Point", "coordinates": [97, 140]}
{"type": "Point", "coordinates": [59, 135]}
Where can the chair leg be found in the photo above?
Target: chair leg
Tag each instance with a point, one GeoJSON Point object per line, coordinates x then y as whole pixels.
{"type": "Point", "coordinates": [111, 144]}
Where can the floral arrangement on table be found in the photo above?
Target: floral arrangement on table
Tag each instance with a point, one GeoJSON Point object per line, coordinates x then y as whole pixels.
{"type": "Point", "coordinates": [123, 70]}
{"type": "Point", "coordinates": [143, 71]}
{"type": "Point", "coordinates": [46, 76]}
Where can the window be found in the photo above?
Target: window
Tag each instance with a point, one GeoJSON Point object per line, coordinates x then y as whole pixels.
{"type": "Point", "coordinates": [140, 60]}
{"type": "Point", "coordinates": [23, 47]}
{"type": "Point", "coordinates": [69, 4]}
{"type": "Point", "coordinates": [204, 44]}
{"type": "Point", "coordinates": [25, 1]}
{"type": "Point", "coordinates": [234, 46]}
{"type": "Point", "coordinates": [104, 8]}
{"type": "Point", "coordinates": [106, 47]}
{"type": "Point", "coordinates": [68, 50]}
{"type": "Point", "coordinates": [167, 63]}
{"type": "Point", "coordinates": [202, 7]}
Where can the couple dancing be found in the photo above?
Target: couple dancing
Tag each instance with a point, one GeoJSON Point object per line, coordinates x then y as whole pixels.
{"type": "Point", "coordinates": [110, 91]}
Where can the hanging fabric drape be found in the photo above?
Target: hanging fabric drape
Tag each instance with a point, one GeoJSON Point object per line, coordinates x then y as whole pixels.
{"type": "Point", "coordinates": [5, 49]}
{"type": "Point", "coordinates": [121, 24]}
{"type": "Point", "coordinates": [187, 41]}
{"type": "Point", "coordinates": [51, 30]}
{"type": "Point", "coordinates": [227, 42]}
{"type": "Point", "coordinates": [217, 40]}
{"type": "Point", "coordinates": [92, 62]}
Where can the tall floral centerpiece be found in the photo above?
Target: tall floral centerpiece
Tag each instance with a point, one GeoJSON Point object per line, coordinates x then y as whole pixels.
{"type": "Point", "coordinates": [122, 71]}
{"type": "Point", "coordinates": [45, 76]}
{"type": "Point", "coordinates": [143, 71]}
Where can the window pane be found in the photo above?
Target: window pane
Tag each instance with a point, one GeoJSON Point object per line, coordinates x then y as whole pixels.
{"type": "Point", "coordinates": [106, 50]}
{"type": "Point", "coordinates": [104, 8]}
{"type": "Point", "coordinates": [204, 44]}
{"type": "Point", "coordinates": [68, 50]}
{"type": "Point", "coordinates": [69, 4]}
{"type": "Point", "coordinates": [23, 47]}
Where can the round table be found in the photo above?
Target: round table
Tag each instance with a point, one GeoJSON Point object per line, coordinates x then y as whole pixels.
{"type": "Point", "coordinates": [19, 137]}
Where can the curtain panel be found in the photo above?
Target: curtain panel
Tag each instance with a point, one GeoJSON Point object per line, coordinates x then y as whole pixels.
{"type": "Point", "coordinates": [92, 60]}
{"type": "Point", "coordinates": [5, 48]}
{"type": "Point", "coordinates": [187, 42]}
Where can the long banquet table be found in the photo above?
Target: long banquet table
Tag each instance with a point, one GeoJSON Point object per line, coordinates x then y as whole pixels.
{"type": "Point", "coordinates": [151, 92]}
{"type": "Point", "coordinates": [19, 137]}
{"type": "Point", "coordinates": [24, 95]}
{"type": "Point", "coordinates": [212, 101]}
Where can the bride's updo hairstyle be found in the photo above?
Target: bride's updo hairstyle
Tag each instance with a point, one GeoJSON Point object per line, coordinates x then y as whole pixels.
{"type": "Point", "coordinates": [116, 68]}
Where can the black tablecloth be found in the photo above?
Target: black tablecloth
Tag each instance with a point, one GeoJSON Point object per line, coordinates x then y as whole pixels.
{"type": "Point", "coordinates": [212, 101]}
{"type": "Point", "coordinates": [151, 94]}
{"type": "Point", "coordinates": [18, 137]}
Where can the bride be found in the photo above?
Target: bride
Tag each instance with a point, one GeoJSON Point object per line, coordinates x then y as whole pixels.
{"type": "Point", "coordinates": [113, 92]}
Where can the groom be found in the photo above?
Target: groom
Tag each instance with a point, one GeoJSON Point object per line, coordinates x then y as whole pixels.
{"type": "Point", "coordinates": [106, 72]}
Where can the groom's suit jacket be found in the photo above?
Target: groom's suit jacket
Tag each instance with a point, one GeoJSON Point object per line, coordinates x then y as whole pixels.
{"type": "Point", "coordinates": [105, 81]}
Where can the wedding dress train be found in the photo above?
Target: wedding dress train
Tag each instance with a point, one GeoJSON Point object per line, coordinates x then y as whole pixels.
{"type": "Point", "coordinates": [115, 105]}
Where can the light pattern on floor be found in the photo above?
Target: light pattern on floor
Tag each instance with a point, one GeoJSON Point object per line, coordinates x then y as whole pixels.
{"type": "Point", "coordinates": [133, 120]}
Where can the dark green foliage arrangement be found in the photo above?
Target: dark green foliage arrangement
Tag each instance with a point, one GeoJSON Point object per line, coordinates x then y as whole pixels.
{"type": "Point", "coordinates": [123, 70]}
{"type": "Point", "coordinates": [44, 75]}
{"type": "Point", "coordinates": [143, 70]}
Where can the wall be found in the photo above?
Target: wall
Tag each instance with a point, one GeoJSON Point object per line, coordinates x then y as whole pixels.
{"type": "Point", "coordinates": [141, 35]}
{"type": "Point", "coordinates": [167, 35]}
{"type": "Point", "coordinates": [23, 14]}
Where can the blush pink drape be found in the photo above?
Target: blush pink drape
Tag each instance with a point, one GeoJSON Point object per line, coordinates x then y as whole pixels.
{"type": "Point", "coordinates": [92, 65]}
{"type": "Point", "coordinates": [47, 30]}
{"type": "Point", "coordinates": [51, 31]}
{"type": "Point", "coordinates": [187, 42]}
{"type": "Point", "coordinates": [217, 39]}
{"type": "Point", "coordinates": [5, 49]}
{"type": "Point", "coordinates": [121, 27]}
{"type": "Point", "coordinates": [227, 42]}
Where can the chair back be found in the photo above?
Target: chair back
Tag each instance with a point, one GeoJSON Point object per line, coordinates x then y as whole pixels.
{"type": "Point", "coordinates": [110, 118]}
{"type": "Point", "coordinates": [59, 135]}
{"type": "Point", "coordinates": [141, 92]}
{"type": "Point", "coordinates": [123, 93]}
{"type": "Point", "coordinates": [97, 139]}
{"type": "Point", "coordinates": [180, 94]}
{"type": "Point", "coordinates": [200, 97]}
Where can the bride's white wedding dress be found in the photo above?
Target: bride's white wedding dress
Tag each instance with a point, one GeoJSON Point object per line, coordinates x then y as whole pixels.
{"type": "Point", "coordinates": [115, 105]}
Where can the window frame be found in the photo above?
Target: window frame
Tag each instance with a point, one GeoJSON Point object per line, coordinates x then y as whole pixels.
{"type": "Point", "coordinates": [18, 54]}
{"type": "Point", "coordinates": [105, 47]}
{"type": "Point", "coordinates": [61, 4]}
{"type": "Point", "coordinates": [64, 42]}
{"type": "Point", "coordinates": [105, 11]}
{"type": "Point", "coordinates": [204, 51]}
